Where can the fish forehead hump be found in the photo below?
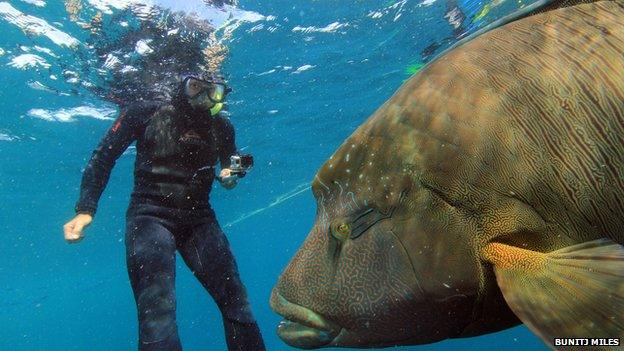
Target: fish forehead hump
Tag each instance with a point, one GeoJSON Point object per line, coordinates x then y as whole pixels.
{"type": "Point", "coordinates": [532, 111]}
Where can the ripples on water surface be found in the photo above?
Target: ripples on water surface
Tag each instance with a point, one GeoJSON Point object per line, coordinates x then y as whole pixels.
{"type": "Point", "coordinates": [304, 73]}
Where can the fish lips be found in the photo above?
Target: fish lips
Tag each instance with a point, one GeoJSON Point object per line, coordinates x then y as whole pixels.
{"type": "Point", "coordinates": [302, 327]}
{"type": "Point", "coordinates": [305, 329]}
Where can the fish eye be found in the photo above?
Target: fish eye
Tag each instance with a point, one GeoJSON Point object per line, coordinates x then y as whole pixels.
{"type": "Point", "coordinates": [342, 231]}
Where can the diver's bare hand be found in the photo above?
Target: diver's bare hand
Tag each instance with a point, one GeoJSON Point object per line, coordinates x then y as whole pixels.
{"type": "Point", "coordinates": [73, 229]}
{"type": "Point", "coordinates": [228, 180]}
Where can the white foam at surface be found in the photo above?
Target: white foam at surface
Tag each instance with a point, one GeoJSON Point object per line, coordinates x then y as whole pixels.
{"type": "Point", "coordinates": [111, 61]}
{"type": "Point", "coordinates": [39, 3]}
{"type": "Point", "coordinates": [107, 6]}
{"type": "Point", "coordinates": [7, 137]}
{"type": "Point", "coordinates": [398, 6]}
{"type": "Point", "coordinates": [127, 69]}
{"type": "Point", "coordinates": [303, 68]}
{"type": "Point", "coordinates": [218, 16]}
{"type": "Point", "coordinates": [70, 115]}
{"type": "Point", "coordinates": [256, 28]}
{"type": "Point", "coordinates": [330, 28]}
{"type": "Point", "coordinates": [34, 25]}
{"type": "Point", "coordinates": [37, 85]}
{"type": "Point", "coordinates": [70, 73]}
{"type": "Point", "coordinates": [142, 47]}
{"type": "Point", "coordinates": [454, 18]}
{"type": "Point", "coordinates": [266, 72]}
{"type": "Point", "coordinates": [45, 50]}
{"type": "Point", "coordinates": [28, 61]}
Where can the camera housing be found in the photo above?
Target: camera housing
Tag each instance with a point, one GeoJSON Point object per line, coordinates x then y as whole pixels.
{"type": "Point", "coordinates": [241, 164]}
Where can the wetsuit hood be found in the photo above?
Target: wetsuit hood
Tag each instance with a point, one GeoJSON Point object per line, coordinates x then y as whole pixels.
{"type": "Point", "coordinates": [179, 100]}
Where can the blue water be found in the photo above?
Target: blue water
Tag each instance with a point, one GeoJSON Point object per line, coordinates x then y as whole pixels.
{"type": "Point", "coordinates": [55, 296]}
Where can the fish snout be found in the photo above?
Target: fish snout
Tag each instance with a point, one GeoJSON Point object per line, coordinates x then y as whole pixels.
{"type": "Point", "coordinates": [302, 327]}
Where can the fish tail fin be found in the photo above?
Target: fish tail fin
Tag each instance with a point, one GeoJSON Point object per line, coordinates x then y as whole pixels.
{"type": "Point", "coordinates": [574, 292]}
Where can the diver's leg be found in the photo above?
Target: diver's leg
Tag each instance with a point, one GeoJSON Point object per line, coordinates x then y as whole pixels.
{"type": "Point", "coordinates": [150, 256]}
{"type": "Point", "coordinates": [206, 251]}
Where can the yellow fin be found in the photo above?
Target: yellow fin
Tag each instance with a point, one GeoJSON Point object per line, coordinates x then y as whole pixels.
{"type": "Point", "coordinates": [574, 292]}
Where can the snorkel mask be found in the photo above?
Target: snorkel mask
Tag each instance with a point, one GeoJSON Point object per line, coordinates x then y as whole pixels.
{"type": "Point", "coordinates": [205, 93]}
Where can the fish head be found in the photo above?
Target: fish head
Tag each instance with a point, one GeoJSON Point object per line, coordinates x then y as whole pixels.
{"type": "Point", "coordinates": [386, 262]}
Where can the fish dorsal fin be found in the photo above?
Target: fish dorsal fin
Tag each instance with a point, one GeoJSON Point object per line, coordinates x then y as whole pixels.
{"type": "Point", "coordinates": [574, 292]}
{"type": "Point", "coordinates": [538, 6]}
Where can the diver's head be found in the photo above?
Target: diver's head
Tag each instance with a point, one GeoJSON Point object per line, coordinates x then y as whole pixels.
{"type": "Point", "coordinates": [205, 92]}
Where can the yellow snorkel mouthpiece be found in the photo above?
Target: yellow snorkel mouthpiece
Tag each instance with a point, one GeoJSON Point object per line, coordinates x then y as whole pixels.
{"type": "Point", "coordinates": [216, 108]}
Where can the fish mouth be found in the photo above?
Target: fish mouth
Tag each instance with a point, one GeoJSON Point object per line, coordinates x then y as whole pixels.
{"type": "Point", "coordinates": [302, 327]}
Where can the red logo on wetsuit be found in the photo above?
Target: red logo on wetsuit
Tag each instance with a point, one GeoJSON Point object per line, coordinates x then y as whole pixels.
{"type": "Point", "coordinates": [118, 122]}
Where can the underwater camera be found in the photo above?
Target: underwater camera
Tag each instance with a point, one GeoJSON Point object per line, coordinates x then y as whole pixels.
{"type": "Point", "coordinates": [241, 164]}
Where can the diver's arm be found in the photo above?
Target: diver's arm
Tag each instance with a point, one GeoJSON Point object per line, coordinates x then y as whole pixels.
{"type": "Point", "coordinates": [98, 169]}
{"type": "Point", "coordinates": [227, 148]}
{"type": "Point", "coordinates": [96, 174]}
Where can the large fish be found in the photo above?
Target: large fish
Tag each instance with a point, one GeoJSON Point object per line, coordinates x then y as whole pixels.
{"type": "Point", "coordinates": [487, 192]}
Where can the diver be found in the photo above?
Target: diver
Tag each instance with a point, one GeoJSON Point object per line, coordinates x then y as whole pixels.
{"type": "Point", "coordinates": [178, 145]}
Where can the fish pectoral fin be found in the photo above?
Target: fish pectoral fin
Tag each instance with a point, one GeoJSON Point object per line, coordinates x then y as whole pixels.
{"type": "Point", "coordinates": [574, 292]}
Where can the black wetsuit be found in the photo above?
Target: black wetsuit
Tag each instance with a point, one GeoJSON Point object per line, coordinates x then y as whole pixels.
{"type": "Point", "coordinates": [177, 149]}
